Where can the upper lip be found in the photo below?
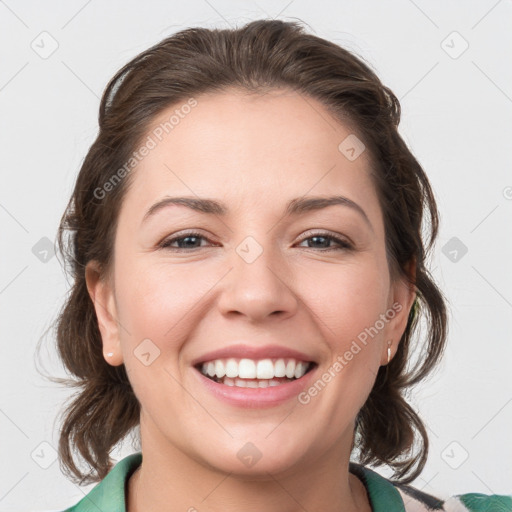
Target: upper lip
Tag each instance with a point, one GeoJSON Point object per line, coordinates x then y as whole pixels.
{"type": "Point", "coordinates": [242, 351]}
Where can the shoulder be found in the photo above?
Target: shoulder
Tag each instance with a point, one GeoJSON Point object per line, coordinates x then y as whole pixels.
{"type": "Point", "coordinates": [109, 494]}
{"type": "Point", "coordinates": [469, 502]}
{"type": "Point", "coordinates": [476, 502]}
{"type": "Point", "coordinates": [386, 495]}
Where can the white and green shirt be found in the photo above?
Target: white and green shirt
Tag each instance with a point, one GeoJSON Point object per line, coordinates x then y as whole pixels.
{"type": "Point", "coordinates": [384, 495]}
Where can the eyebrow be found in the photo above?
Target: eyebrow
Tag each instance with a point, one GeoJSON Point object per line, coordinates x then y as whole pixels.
{"type": "Point", "coordinates": [296, 206]}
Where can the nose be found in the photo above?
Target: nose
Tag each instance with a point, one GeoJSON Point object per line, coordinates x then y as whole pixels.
{"type": "Point", "coordinates": [258, 289]}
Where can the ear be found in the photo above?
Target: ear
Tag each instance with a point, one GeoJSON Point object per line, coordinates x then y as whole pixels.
{"type": "Point", "coordinates": [102, 295]}
{"type": "Point", "coordinates": [402, 295]}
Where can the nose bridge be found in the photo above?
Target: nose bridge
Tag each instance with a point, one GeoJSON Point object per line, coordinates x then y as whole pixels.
{"type": "Point", "coordinates": [258, 284]}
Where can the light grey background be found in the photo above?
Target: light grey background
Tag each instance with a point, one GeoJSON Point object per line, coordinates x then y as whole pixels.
{"type": "Point", "coordinates": [457, 109]}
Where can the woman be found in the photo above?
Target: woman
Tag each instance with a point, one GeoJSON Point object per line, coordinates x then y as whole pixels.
{"type": "Point", "coordinates": [249, 270]}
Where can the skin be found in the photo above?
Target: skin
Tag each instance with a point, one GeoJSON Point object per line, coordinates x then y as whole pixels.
{"type": "Point", "coordinates": [254, 153]}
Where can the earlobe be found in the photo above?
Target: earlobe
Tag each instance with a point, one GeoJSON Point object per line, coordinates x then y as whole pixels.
{"type": "Point", "coordinates": [102, 296]}
{"type": "Point", "coordinates": [404, 295]}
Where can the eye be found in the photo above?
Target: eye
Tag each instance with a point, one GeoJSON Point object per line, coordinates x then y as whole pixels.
{"type": "Point", "coordinates": [190, 241]}
{"type": "Point", "coordinates": [185, 242]}
{"type": "Point", "coordinates": [324, 238]}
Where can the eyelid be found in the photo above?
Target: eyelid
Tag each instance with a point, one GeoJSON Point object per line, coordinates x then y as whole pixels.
{"type": "Point", "coordinates": [326, 232]}
{"type": "Point", "coordinates": [343, 242]}
{"type": "Point", "coordinates": [184, 234]}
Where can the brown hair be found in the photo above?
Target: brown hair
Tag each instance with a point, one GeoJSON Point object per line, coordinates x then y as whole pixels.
{"type": "Point", "coordinates": [261, 55]}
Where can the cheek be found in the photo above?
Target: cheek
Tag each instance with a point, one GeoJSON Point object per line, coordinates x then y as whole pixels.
{"type": "Point", "coordinates": [347, 299]}
{"type": "Point", "coordinates": [168, 301]}
{"type": "Point", "coordinates": [160, 302]}
{"type": "Point", "coordinates": [158, 296]}
{"type": "Point", "coordinates": [163, 300]}
{"type": "Point", "coordinates": [349, 308]}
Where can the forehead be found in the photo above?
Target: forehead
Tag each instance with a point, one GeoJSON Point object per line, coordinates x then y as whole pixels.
{"type": "Point", "coordinates": [249, 149]}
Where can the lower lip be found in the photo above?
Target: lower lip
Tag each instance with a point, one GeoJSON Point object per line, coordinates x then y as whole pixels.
{"type": "Point", "coordinates": [256, 397]}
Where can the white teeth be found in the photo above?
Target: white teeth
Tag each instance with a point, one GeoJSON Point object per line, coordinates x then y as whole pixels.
{"type": "Point", "coordinates": [249, 369]}
{"type": "Point", "coordinates": [251, 383]}
{"type": "Point", "coordinates": [220, 371]}
{"type": "Point", "coordinates": [210, 369]}
{"type": "Point", "coordinates": [265, 369]}
{"type": "Point", "coordinates": [280, 368]}
{"type": "Point", "coordinates": [299, 370]}
{"type": "Point", "coordinates": [290, 369]}
{"type": "Point", "coordinates": [231, 368]}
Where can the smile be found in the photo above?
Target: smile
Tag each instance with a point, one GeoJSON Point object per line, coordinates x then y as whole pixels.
{"type": "Point", "coordinates": [253, 373]}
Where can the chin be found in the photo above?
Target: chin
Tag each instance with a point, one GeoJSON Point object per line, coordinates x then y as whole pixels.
{"type": "Point", "coordinates": [254, 460]}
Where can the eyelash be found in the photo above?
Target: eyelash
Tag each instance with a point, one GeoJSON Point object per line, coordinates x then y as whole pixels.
{"type": "Point", "coordinates": [343, 245]}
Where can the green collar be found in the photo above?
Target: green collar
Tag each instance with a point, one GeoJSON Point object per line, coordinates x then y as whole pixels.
{"type": "Point", "coordinates": [109, 494]}
{"type": "Point", "coordinates": [383, 495]}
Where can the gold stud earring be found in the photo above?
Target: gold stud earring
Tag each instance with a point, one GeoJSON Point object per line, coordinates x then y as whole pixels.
{"type": "Point", "coordinates": [389, 350]}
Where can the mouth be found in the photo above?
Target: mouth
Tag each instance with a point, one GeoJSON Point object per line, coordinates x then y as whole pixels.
{"type": "Point", "coordinates": [254, 373]}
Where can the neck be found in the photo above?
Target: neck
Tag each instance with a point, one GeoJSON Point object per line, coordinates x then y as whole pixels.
{"type": "Point", "coordinates": [171, 480]}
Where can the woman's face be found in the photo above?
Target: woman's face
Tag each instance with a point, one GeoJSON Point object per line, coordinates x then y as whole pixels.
{"type": "Point", "coordinates": [255, 286]}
